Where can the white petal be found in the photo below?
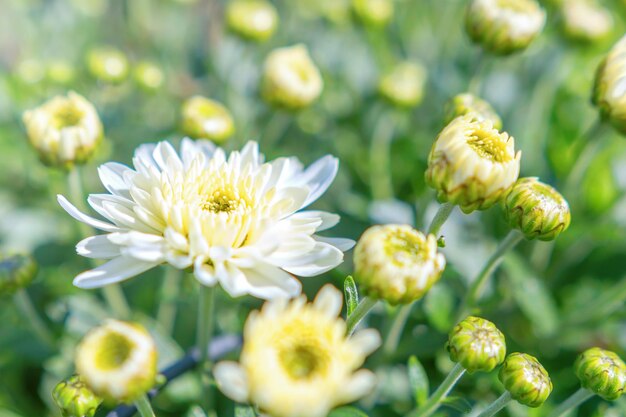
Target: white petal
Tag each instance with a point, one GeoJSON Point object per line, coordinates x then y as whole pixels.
{"type": "Point", "coordinates": [81, 217]}
{"type": "Point", "coordinates": [116, 270]}
{"type": "Point", "coordinates": [329, 300]}
{"type": "Point", "coordinates": [268, 282]}
{"type": "Point", "coordinates": [361, 384]}
{"type": "Point", "coordinates": [328, 219]}
{"type": "Point", "coordinates": [204, 273]}
{"type": "Point", "coordinates": [367, 341]}
{"type": "Point", "coordinates": [340, 243]}
{"type": "Point", "coordinates": [322, 258]}
{"type": "Point", "coordinates": [232, 381]}
{"type": "Point", "coordinates": [98, 247]}
{"type": "Point", "coordinates": [319, 176]}
{"type": "Point", "coordinates": [112, 177]}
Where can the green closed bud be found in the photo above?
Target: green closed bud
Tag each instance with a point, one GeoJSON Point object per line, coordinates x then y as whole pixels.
{"type": "Point", "coordinates": [609, 94]}
{"type": "Point", "coordinates": [537, 209]}
{"type": "Point", "coordinates": [148, 76]}
{"type": "Point", "coordinates": [374, 13]}
{"type": "Point", "coordinates": [467, 103]}
{"type": "Point", "coordinates": [204, 118]}
{"type": "Point", "coordinates": [256, 20]}
{"type": "Point", "coordinates": [16, 272]}
{"type": "Point", "coordinates": [477, 345]}
{"type": "Point", "coordinates": [107, 64]}
{"type": "Point", "coordinates": [525, 379]}
{"type": "Point", "coordinates": [602, 372]}
{"type": "Point", "coordinates": [404, 84]}
{"type": "Point", "coordinates": [75, 399]}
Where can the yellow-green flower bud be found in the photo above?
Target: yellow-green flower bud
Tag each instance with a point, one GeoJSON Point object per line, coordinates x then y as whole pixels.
{"type": "Point", "coordinates": [585, 20]}
{"type": "Point", "coordinates": [256, 20]}
{"type": "Point", "coordinates": [609, 93]}
{"type": "Point", "coordinates": [525, 379]}
{"type": "Point", "coordinates": [467, 103]}
{"type": "Point", "coordinates": [60, 72]}
{"type": "Point", "coordinates": [64, 131]}
{"type": "Point", "coordinates": [290, 78]}
{"type": "Point", "coordinates": [148, 76]}
{"type": "Point", "coordinates": [75, 399]}
{"type": "Point", "coordinates": [207, 119]}
{"type": "Point", "coordinates": [602, 372]}
{"type": "Point", "coordinates": [397, 263]}
{"type": "Point", "coordinates": [404, 84]}
{"type": "Point", "coordinates": [504, 26]}
{"type": "Point", "coordinates": [16, 272]}
{"type": "Point", "coordinates": [375, 13]}
{"type": "Point", "coordinates": [537, 209]}
{"type": "Point", "coordinates": [477, 345]}
{"type": "Point", "coordinates": [472, 164]}
{"type": "Point", "coordinates": [118, 361]}
{"type": "Point", "coordinates": [30, 71]}
{"type": "Point", "coordinates": [107, 64]}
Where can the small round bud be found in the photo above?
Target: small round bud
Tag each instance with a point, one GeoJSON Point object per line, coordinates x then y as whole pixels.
{"type": "Point", "coordinates": [60, 72]}
{"type": "Point", "coordinates": [207, 119]}
{"type": "Point", "coordinates": [602, 372]}
{"type": "Point", "coordinates": [256, 20]}
{"type": "Point", "coordinates": [472, 164]}
{"type": "Point", "coordinates": [107, 64]}
{"type": "Point", "coordinates": [16, 272]}
{"type": "Point", "coordinates": [75, 399]}
{"type": "Point", "coordinates": [537, 209]}
{"type": "Point", "coordinates": [118, 361]}
{"type": "Point", "coordinates": [376, 13]}
{"type": "Point", "coordinates": [477, 345]}
{"type": "Point", "coordinates": [467, 103]}
{"type": "Point", "coordinates": [64, 131]}
{"type": "Point", "coordinates": [504, 26]}
{"type": "Point", "coordinates": [609, 94]}
{"type": "Point", "coordinates": [290, 78]}
{"type": "Point", "coordinates": [586, 21]}
{"type": "Point", "coordinates": [148, 76]}
{"type": "Point", "coordinates": [397, 263]}
{"type": "Point", "coordinates": [525, 379]}
{"type": "Point", "coordinates": [404, 84]}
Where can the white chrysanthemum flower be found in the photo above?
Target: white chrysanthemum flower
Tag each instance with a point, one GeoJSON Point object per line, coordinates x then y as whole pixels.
{"type": "Point", "coordinates": [586, 20]}
{"type": "Point", "coordinates": [64, 130]}
{"type": "Point", "coordinates": [296, 359]}
{"type": "Point", "coordinates": [235, 219]}
{"type": "Point", "coordinates": [609, 93]}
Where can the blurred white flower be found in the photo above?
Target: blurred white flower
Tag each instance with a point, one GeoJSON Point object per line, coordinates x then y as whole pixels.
{"type": "Point", "coordinates": [235, 220]}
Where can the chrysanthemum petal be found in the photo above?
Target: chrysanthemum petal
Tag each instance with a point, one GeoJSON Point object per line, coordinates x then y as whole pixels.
{"type": "Point", "coordinates": [81, 217]}
{"type": "Point", "coordinates": [340, 243]}
{"type": "Point", "coordinates": [116, 270]}
{"type": "Point", "coordinates": [112, 177]}
{"type": "Point", "coordinates": [319, 176]}
{"type": "Point", "coordinates": [232, 380]}
{"type": "Point", "coordinates": [366, 341]}
{"type": "Point", "coordinates": [361, 384]}
{"type": "Point", "coordinates": [328, 301]}
{"type": "Point", "coordinates": [322, 258]}
{"type": "Point", "coordinates": [97, 247]}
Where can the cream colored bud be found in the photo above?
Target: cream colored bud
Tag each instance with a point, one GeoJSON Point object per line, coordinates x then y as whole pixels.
{"type": "Point", "coordinates": [467, 103]}
{"type": "Point", "coordinates": [108, 64]}
{"type": "Point", "coordinates": [64, 131]}
{"type": "Point", "coordinates": [472, 164]}
{"type": "Point", "coordinates": [374, 12]}
{"type": "Point", "coordinates": [397, 263]}
{"type": "Point", "coordinates": [148, 75]}
{"type": "Point", "coordinates": [207, 119]}
{"type": "Point", "coordinates": [504, 26]}
{"type": "Point", "coordinates": [256, 20]}
{"type": "Point", "coordinates": [586, 20]}
{"type": "Point", "coordinates": [290, 78]}
{"type": "Point", "coordinates": [404, 84]}
{"type": "Point", "coordinates": [609, 93]}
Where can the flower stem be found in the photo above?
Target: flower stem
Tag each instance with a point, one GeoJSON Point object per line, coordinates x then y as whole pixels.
{"type": "Point", "coordinates": [434, 401]}
{"type": "Point", "coordinates": [116, 300]}
{"type": "Point", "coordinates": [144, 407]}
{"type": "Point", "coordinates": [572, 402]}
{"type": "Point", "coordinates": [359, 312]}
{"type": "Point", "coordinates": [206, 307]}
{"type": "Point", "coordinates": [380, 158]}
{"type": "Point", "coordinates": [26, 307]}
{"type": "Point", "coordinates": [440, 218]}
{"type": "Point", "coordinates": [399, 321]}
{"type": "Point", "coordinates": [593, 143]}
{"type": "Point", "coordinates": [475, 83]}
{"type": "Point", "coordinates": [170, 290]}
{"type": "Point", "coordinates": [497, 405]}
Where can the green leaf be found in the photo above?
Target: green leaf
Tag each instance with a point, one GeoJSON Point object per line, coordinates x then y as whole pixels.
{"type": "Point", "coordinates": [351, 294]}
{"type": "Point", "coordinates": [457, 403]}
{"type": "Point", "coordinates": [438, 306]}
{"type": "Point", "coordinates": [418, 380]}
{"type": "Point", "coordinates": [347, 412]}
{"type": "Point", "coordinates": [244, 411]}
{"type": "Point", "coordinates": [196, 411]}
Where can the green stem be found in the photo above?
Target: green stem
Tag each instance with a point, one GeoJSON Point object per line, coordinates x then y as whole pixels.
{"type": "Point", "coordinates": [380, 158]}
{"type": "Point", "coordinates": [365, 305]}
{"type": "Point", "coordinates": [475, 83]}
{"type": "Point", "coordinates": [25, 305]}
{"type": "Point", "coordinates": [440, 218]}
{"type": "Point", "coordinates": [116, 300]}
{"type": "Point", "coordinates": [399, 321]}
{"type": "Point", "coordinates": [497, 405]}
{"type": "Point", "coordinates": [170, 290]}
{"type": "Point", "coordinates": [206, 307]}
{"type": "Point", "coordinates": [434, 401]}
{"type": "Point", "coordinates": [592, 146]}
{"type": "Point", "coordinates": [144, 407]}
{"type": "Point", "coordinates": [572, 402]}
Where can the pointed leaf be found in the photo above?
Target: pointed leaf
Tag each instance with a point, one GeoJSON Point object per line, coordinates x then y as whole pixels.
{"type": "Point", "coordinates": [418, 380]}
{"type": "Point", "coordinates": [196, 411]}
{"type": "Point", "coordinates": [457, 403]}
{"type": "Point", "coordinates": [351, 294]}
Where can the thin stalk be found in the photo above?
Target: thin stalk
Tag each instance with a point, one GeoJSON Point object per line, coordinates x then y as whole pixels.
{"type": "Point", "coordinates": [116, 300]}
{"type": "Point", "coordinates": [380, 158]}
{"type": "Point", "coordinates": [434, 401]}
{"type": "Point", "coordinates": [26, 307]}
{"type": "Point", "coordinates": [395, 331]}
{"type": "Point", "coordinates": [572, 402]}
{"type": "Point", "coordinates": [365, 305]}
{"type": "Point", "coordinates": [206, 307]}
{"type": "Point", "coordinates": [144, 407]}
{"type": "Point", "coordinates": [497, 405]}
{"type": "Point", "coordinates": [592, 146]}
{"type": "Point", "coordinates": [475, 83]}
{"type": "Point", "coordinates": [170, 290]}
{"type": "Point", "coordinates": [440, 218]}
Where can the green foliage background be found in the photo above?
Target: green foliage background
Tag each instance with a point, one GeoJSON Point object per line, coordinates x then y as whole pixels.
{"type": "Point", "coordinates": [551, 301]}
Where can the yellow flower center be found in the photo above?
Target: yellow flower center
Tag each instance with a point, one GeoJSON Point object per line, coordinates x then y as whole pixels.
{"type": "Point", "coordinates": [489, 145]}
{"type": "Point", "coordinates": [225, 200]}
{"type": "Point", "coordinates": [112, 351]}
{"type": "Point", "coordinates": [405, 247]}
{"type": "Point", "coordinates": [302, 361]}
{"type": "Point", "coordinates": [67, 115]}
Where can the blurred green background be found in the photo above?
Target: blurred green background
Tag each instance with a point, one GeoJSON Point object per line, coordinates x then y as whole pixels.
{"type": "Point", "coordinates": [550, 300]}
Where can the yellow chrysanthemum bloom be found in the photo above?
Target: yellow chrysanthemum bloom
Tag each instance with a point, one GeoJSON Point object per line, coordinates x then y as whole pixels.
{"type": "Point", "coordinates": [290, 78]}
{"type": "Point", "coordinates": [65, 130]}
{"type": "Point", "coordinates": [472, 165]}
{"type": "Point", "coordinates": [256, 20]}
{"type": "Point", "coordinates": [404, 84]}
{"type": "Point", "coordinates": [586, 20]}
{"type": "Point", "coordinates": [374, 12]}
{"type": "Point", "coordinates": [504, 26]}
{"type": "Point", "coordinates": [108, 64]}
{"type": "Point", "coordinates": [296, 359]}
{"type": "Point", "coordinates": [207, 119]}
{"type": "Point", "coordinates": [397, 263]}
{"type": "Point", "coordinates": [609, 93]}
{"type": "Point", "coordinates": [118, 361]}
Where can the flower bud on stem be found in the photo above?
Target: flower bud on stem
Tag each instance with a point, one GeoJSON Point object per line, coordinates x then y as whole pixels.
{"type": "Point", "coordinates": [434, 401]}
{"type": "Point", "coordinates": [144, 407]}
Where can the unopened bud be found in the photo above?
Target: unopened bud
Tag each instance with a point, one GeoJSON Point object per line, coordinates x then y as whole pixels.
{"type": "Point", "coordinates": [525, 379]}
{"type": "Point", "coordinates": [477, 345]}
{"type": "Point", "coordinates": [602, 372]}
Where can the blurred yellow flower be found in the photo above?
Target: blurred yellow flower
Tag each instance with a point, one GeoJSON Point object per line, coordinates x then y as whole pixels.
{"type": "Point", "coordinates": [108, 64]}
{"type": "Point", "coordinates": [252, 19]}
{"type": "Point", "coordinates": [374, 12]}
{"type": "Point", "coordinates": [586, 20]}
{"type": "Point", "coordinates": [207, 119]}
{"type": "Point", "coordinates": [404, 84]}
{"type": "Point", "coordinates": [148, 75]}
